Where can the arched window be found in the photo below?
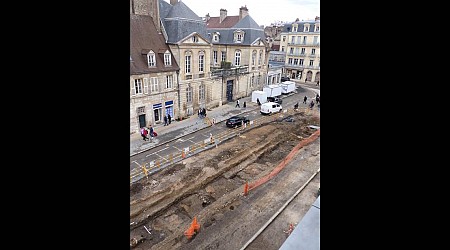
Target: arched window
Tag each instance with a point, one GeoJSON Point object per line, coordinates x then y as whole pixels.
{"type": "Point", "coordinates": [151, 59]}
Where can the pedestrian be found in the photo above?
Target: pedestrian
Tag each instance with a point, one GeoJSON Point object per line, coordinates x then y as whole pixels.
{"type": "Point", "coordinates": [213, 121]}
{"type": "Point", "coordinates": [151, 132]}
{"type": "Point", "coordinates": [169, 118]}
{"type": "Point", "coordinates": [165, 120]}
{"type": "Point", "coordinates": [257, 101]}
{"type": "Point", "coordinates": [311, 105]}
{"type": "Point", "coordinates": [204, 112]}
{"type": "Point", "coordinates": [296, 106]}
{"type": "Point", "coordinates": [237, 104]}
{"type": "Point", "coordinates": [199, 113]}
{"type": "Point", "coordinates": [143, 133]}
{"type": "Point", "coordinates": [317, 98]}
{"type": "Point", "coordinates": [317, 83]}
{"type": "Point", "coordinates": [245, 105]}
{"type": "Point", "coordinates": [304, 99]}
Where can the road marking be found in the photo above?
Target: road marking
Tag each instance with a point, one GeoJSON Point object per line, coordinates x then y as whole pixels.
{"type": "Point", "coordinates": [137, 163]}
{"type": "Point", "coordinates": [161, 157]}
{"type": "Point", "coordinates": [157, 151]}
{"type": "Point", "coordinates": [177, 148]}
{"type": "Point", "coordinates": [194, 141]}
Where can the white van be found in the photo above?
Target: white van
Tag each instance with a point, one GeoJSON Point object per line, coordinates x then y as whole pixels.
{"type": "Point", "coordinates": [270, 107]}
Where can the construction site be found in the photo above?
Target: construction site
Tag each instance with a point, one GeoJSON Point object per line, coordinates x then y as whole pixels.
{"type": "Point", "coordinates": [248, 192]}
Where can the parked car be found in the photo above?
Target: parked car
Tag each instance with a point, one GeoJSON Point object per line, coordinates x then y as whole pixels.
{"type": "Point", "coordinates": [270, 107]}
{"type": "Point", "coordinates": [236, 121]}
{"type": "Point", "coordinates": [274, 99]}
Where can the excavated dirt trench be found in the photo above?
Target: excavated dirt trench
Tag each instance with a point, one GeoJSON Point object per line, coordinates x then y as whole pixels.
{"type": "Point", "coordinates": [209, 183]}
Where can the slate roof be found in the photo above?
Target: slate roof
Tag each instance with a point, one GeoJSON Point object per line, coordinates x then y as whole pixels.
{"type": "Point", "coordinates": [180, 21]}
{"type": "Point", "coordinates": [301, 24]}
{"type": "Point", "coordinates": [252, 31]}
{"type": "Point", "coordinates": [143, 38]}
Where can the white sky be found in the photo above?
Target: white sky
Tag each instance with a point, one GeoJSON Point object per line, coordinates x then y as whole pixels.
{"type": "Point", "coordinates": [264, 12]}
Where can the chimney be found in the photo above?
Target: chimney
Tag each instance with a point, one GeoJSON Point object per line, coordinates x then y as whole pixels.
{"type": "Point", "coordinates": [173, 2]}
{"type": "Point", "coordinates": [243, 12]}
{"type": "Point", "coordinates": [317, 19]}
{"type": "Point", "coordinates": [207, 17]}
{"type": "Point", "coordinates": [223, 15]}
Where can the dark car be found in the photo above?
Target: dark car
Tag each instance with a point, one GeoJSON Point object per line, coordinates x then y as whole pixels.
{"type": "Point", "coordinates": [285, 78]}
{"type": "Point", "coordinates": [274, 99]}
{"type": "Point", "coordinates": [236, 121]}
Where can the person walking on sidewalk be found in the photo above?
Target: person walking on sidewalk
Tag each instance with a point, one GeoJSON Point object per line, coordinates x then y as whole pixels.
{"type": "Point", "coordinates": [317, 83]}
{"type": "Point", "coordinates": [304, 99]}
{"type": "Point", "coordinates": [169, 118]}
{"type": "Point", "coordinates": [143, 133]}
{"type": "Point", "coordinates": [165, 120]}
{"type": "Point", "coordinates": [245, 105]}
{"type": "Point", "coordinates": [311, 105]}
{"type": "Point", "coordinates": [237, 104]}
{"type": "Point", "coordinates": [151, 132]}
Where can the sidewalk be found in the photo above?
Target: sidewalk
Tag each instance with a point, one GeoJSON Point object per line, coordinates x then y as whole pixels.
{"type": "Point", "coordinates": [178, 129]}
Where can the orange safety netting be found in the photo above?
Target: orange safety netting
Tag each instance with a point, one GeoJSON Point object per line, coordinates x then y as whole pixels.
{"type": "Point", "coordinates": [282, 164]}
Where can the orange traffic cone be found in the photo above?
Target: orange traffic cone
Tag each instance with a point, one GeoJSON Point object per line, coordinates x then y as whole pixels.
{"type": "Point", "coordinates": [246, 188]}
{"type": "Point", "coordinates": [195, 225]}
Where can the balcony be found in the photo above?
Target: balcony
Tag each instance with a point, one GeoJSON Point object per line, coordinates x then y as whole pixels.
{"type": "Point", "coordinates": [232, 71]}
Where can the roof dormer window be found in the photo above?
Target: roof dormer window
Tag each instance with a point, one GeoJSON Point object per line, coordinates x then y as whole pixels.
{"type": "Point", "coordinates": [294, 27]}
{"type": "Point", "coordinates": [194, 39]}
{"type": "Point", "coordinates": [306, 28]}
{"type": "Point", "coordinates": [167, 58]}
{"type": "Point", "coordinates": [151, 59]}
{"type": "Point", "coordinates": [216, 37]}
{"type": "Point", "coordinates": [239, 36]}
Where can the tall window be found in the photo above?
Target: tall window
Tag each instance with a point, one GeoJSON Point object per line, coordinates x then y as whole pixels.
{"type": "Point", "coordinates": [151, 59]}
{"type": "Point", "coordinates": [189, 94]}
{"type": "Point", "coordinates": [313, 51]}
{"type": "Point", "coordinates": [304, 39]}
{"type": "Point", "coordinates": [187, 63]}
{"type": "Point", "coordinates": [293, 39]}
{"type": "Point", "coordinates": [284, 38]}
{"type": "Point", "coordinates": [224, 56]}
{"type": "Point", "coordinates": [289, 60]}
{"type": "Point", "coordinates": [311, 62]}
{"type": "Point", "coordinates": [252, 82]}
{"type": "Point", "coordinates": [254, 58]}
{"type": "Point", "coordinates": [301, 62]}
{"type": "Point", "coordinates": [167, 59]}
{"type": "Point", "coordinates": [201, 62]}
{"type": "Point", "coordinates": [295, 61]}
{"type": "Point", "coordinates": [216, 38]}
{"type": "Point", "coordinates": [282, 48]}
{"type": "Point", "coordinates": [260, 57]}
{"type": "Point", "coordinates": [201, 92]}
{"type": "Point", "coordinates": [215, 56]}
{"type": "Point", "coordinates": [239, 38]}
{"type": "Point", "coordinates": [154, 84]}
{"type": "Point", "coordinates": [291, 51]}
{"type": "Point", "coordinates": [137, 86]}
{"type": "Point", "coordinates": [169, 82]}
{"type": "Point", "coordinates": [237, 58]}
{"type": "Point", "coordinates": [302, 51]}
{"type": "Point", "coordinates": [315, 39]}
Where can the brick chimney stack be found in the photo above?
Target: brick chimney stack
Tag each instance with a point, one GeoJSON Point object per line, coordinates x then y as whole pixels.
{"type": "Point", "coordinates": [243, 12]}
{"type": "Point", "coordinates": [173, 2]}
{"type": "Point", "coordinates": [223, 15]}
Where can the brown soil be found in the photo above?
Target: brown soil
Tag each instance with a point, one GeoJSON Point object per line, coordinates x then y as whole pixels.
{"type": "Point", "coordinates": [210, 186]}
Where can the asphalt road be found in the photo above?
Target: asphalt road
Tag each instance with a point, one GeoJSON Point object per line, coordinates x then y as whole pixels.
{"type": "Point", "coordinates": [200, 139]}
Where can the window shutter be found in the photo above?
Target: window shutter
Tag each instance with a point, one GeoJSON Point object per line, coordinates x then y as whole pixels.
{"type": "Point", "coordinates": [145, 85]}
{"type": "Point", "coordinates": [133, 89]}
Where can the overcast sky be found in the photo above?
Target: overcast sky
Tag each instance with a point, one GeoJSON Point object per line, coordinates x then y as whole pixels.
{"type": "Point", "coordinates": [264, 12]}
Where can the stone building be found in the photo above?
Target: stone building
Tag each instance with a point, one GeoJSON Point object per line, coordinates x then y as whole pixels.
{"type": "Point", "coordinates": [301, 42]}
{"type": "Point", "coordinates": [239, 54]}
{"type": "Point", "coordinates": [154, 90]}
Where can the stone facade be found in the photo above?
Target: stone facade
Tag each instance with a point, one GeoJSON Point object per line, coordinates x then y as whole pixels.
{"type": "Point", "coordinates": [300, 41]}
